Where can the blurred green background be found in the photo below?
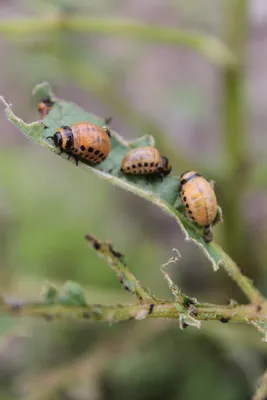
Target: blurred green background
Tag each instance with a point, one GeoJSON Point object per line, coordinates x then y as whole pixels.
{"type": "Point", "coordinates": [204, 116]}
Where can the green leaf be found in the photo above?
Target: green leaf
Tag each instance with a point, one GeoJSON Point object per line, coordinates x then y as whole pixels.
{"type": "Point", "coordinates": [165, 193]}
{"type": "Point", "coordinates": [72, 294]}
{"type": "Point", "coordinates": [50, 294]}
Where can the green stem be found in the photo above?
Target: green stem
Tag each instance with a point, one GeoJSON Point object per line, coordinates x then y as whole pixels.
{"type": "Point", "coordinates": [234, 129]}
{"type": "Point", "coordinates": [234, 105]}
{"type": "Point", "coordinates": [208, 46]}
{"type": "Point", "coordinates": [96, 312]}
{"type": "Point", "coordinates": [244, 283]}
{"type": "Point", "coordinates": [116, 261]}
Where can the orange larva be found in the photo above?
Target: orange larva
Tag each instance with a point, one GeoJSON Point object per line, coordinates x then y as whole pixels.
{"type": "Point", "coordinates": [145, 161]}
{"type": "Point", "coordinates": [85, 141]}
{"type": "Point", "coordinates": [199, 200]}
{"type": "Point", "coordinates": [45, 106]}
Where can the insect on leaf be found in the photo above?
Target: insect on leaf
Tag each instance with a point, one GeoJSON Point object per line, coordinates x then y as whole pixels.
{"type": "Point", "coordinates": [162, 192]}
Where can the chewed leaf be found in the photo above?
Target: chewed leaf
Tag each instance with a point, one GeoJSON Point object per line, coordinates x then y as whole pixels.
{"type": "Point", "coordinates": [64, 113]}
{"type": "Point", "coordinates": [43, 90]}
{"type": "Point", "coordinates": [164, 193]}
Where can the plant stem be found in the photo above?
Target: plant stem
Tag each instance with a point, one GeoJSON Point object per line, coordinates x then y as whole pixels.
{"type": "Point", "coordinates": [219, 258]}
{"type": "Point", "coordinates": [164, 309]}
{"type": "Point", "coordinates": [208, 46]}
{"type": "Point", "coordinates": [233, 82]}
{"type": "Point", "coordinates": [234, 129]}
{"type": "Point", "coordinates": [235, 273]}
{"type": "Point", "coordinates": [116, 261]}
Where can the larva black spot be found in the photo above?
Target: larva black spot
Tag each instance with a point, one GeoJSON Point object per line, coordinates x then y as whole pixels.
{"type": "Point", "coordinates": [184, 198]}
{"type": "Point", "coordinates": [82, 147]}
{"type": "Point", "coordinates": [151, 164]}
{"type": "Point", "coordinates": [140, 164]}
{"type": "Point", "coordinates": [146, 164]}
{"type": "Point", "coordinates": [97, 152]}
{"type": "Point", "coordinates": [133, 166]}
{"type": "Point", "coordinates": [187, 205]}
{"type": "Point", "coordinates": [90, 149]}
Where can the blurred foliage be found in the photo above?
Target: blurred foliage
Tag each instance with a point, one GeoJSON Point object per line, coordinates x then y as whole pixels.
{"type": "Point", "coordinates": [177, 96]}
